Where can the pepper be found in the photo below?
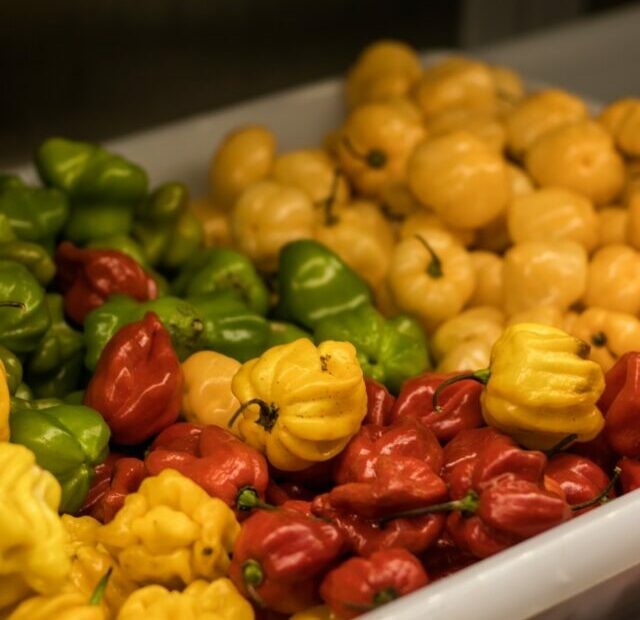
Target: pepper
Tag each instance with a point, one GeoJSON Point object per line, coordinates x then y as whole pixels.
{"type": "Point", "coordinates": [32, 539]}
{"type": "Point", "coordinates": [319, 612]}
{"type": "Point", "coordinates": [121, 243]}
{"type": "Point", "coordinates": [359, 585]}
{"type": "Point", "coordinates": [215, 223]}
{"type": "Point", "coordinates": [301, 404]}
{"type": "Point", "coordinates": [622, 119]}
{"type": "Point", "coordinates": [268, 566]}
{"type": "Point", "coordinates": [281, 332]}
{"type": "Point", "coordinates": [12, 369]}
{"type": "Point", "coordinates": [164, 204]}
{"type": "Point", "coordinates": [113, 480]}
{"type": "Point", "coordinates": [88, 222]}
{"type": "Point", "coordinates": [170, 532]}
{"type": "Point", "coordinates": [68, 441]}
{"type": "Point", "coordinates": [445, 558]}
{"type": "Point", "coordinates": [137, 385]}
{"type": "Point", "coordinates": [62, 606]}
{"type": "Point", "coordinates": [32, 255]}
{"type": "Point", "coordinates": [183, 242]}
{"type": "Point", "coordinates": [213, 458]}
{"type": "Point", "coordinates": [488, 268]}
{"type": "Point", "coordinates": [380, 403]}
{"type": "Point", "coordinates": [629, 474]}
{"type": "Point", "coordinates": [87, 278]}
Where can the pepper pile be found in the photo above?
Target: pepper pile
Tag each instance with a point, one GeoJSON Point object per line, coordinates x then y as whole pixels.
{"type": "Point", "coordinates": [227, 407]}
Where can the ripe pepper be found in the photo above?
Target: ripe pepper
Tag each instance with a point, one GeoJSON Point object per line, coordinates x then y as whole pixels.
{"type": "Point", "coordinates": [359, 585]}
{"type": "Point", "coordinates": [113, 480]}
{"type": "Point", "coordinates": [314, 283]}
{"type": "Point", "coordinates": [280, 557]}
{"type": "Point", "coordinates": [445, 558]}
{"type": "Point", "coordinates": [68, 441]}
{"type": "Point", "coordinates": [12, 369]}
{"type": "Point", "coordinates": [218, 600]}
{"type": "Point", "coordinates": [121, 243]}
{"type": "Point", "coordinates": [213, 458]}
{"type": "Point", "coordinates": [629, 474]}
{"type": "Point", "coordinates": [32, 540]}
{"type": "Point", "coordinates": [300, 403]}
{"type": "Point", "coordinates": [87, 278]}
{"type": "Point", "coordinates": [170, 532]}
{"type": "Point", "coordinates": [389, 350]}
{"type": "Point", "coordinates": [137, 385]}
{"type": "Point", "coordinates": [459, 404]}
{"type": "Point", "coordinates": [380, 403]}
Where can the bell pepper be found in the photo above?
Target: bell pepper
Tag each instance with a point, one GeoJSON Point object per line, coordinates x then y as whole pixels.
{"type": "Point", "coordinates": [89, 222]}
{"type": "Point", "coordinates": [380, 403]}
{"type": "Point", "coordinates": [217, 270]}
{"type": "Point", "coordinates": [54, 368]}
{"type": "Point", "coordinates": [68, 441]}
{"type": "Point", "coordinates": [24, 318]}
{"type": "Point", "coordinates": [87, 278]}
{"type": "Point", "coordinates": [213, 458]}
{"type": "Point", "coordinates": [218, 600]}
{"type": "Point", "coordinates": [170, 532]}
{"type": "Point", "coordinates": [32, 255]}
{"type": "Point", "coordinates": [115, 478]}
{"type": "Point", "coordinates": [459, 404]}
{"type": "Point", "coordinates": [359, 585]}
{"type": "Point", "coordinates": [207, 397]}
{"type": "Point", "coordinates": [121, 243]}
{"type": "Point", "coordinates": [137, 385]}
{"type": "Point", "coordinates": [268, 566]}
{"type": "Point", "coordinates": [389, 350]}
{"type": "Point", "coordinates": [445, 558]}
{"type": "Point", "coordinates": [281, 332]}
{"type": "Point", "coordinates": [12, 369]}
{"type": "Point", "coordinates": [32, 543]}
{"type": "Point", "coordinates": [301, 404]}
{"type": "Point", "coordinates": [629, 474]}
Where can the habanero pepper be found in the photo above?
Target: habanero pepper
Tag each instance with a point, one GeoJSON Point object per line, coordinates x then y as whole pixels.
{"type": "Point", "coordinates": [629, 474]}
{"type": "Point", "coordinates": [445, 558]}
{"type": "Point", "coordinates": [380, 403]}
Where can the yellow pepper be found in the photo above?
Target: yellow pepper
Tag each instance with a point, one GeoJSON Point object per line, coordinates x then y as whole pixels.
{"type": "Point", "coordinates": [581, 157]}
{"type": "Point", "coordinates": [488, 268]}
{"type": "Point", "coordinates": [633, 219]}
{"type": "Point", "coordinates": [470, 354]}
{"type": "Point", "coordinates": [483, 124]}
{"type": "Point", "coordinates": [397, 203]}
{"type": "Point", "coordinates": [610, 334]}
{"type": "Point", "coordinates": [245, 157]}
{"type": "Point", "coordinates": [431, 277]}
{"type": "Point", "coordinates": [540, 113]}
{"type": "Point", "coordinates": [632, 181]}
{"type": "Point", "coordinates": [547, 315]}
{"type": "Point", "coordinates": [421, 221]}
{"type": "Point", "coordinates": [4, 404]}
{"type": "Point", "coordinates": [613, 281]}
{"type": "Point", "coordinates": [375, 144]}
{"type": "Point", "coordinates": [218, 600]}
{"type": "Point", "coordinates": [62, 606]}
{"type": "Point", "coordinates": [268, 215]}
{"type": "Point", "coordinates": [622, 120]}
{"type": "Point", "coordinates": [207, 397]}
{"type": "Point", "coordinates": [553, 213]}
{"type": "Point", "coordinates": [33, 555]}
{"type": "Point", "coordinates": [612, 225]}
{"type": "Point", "coordinates": [460, 178]}
{"type": "Point", "coordinates": [171, 532]}
{"type": "Point", "coordinates": [215, 223]}
{"type": "Point", "coordinates": [301, 404]}
{"type": "Point", "coordinates": [538, 273]}
{"type": "Point", "coordinates": [509, 88]}
{"type": "Point", "coordinates": [320, 612]}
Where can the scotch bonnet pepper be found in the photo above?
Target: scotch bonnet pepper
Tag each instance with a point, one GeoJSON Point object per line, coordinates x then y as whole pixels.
{"type": "Point", "coordinates": [379, 403]}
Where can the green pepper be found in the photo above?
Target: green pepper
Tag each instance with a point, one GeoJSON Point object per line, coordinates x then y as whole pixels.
{"type": "Point", "coordinates": [181, 319]}
{"type": "Point", "coordinates": [74, 398]}
{"type": "Point", "coordinates": [12, 367]}
{"type": "Point", "coordinates": [389, 350]}
{"type": "Point", "coordinates": [185, 239]}
{"type": "Point", "coordinates": [67, 440]}
{"type": "Point", "coordinates": [152, 239]}
{"type": "Point", "coordinates": [33, 256]}
{"type": "Point", "coordinates": [216, 270]}
{"type": "Point", "coordinates": [88, 173]}
{"type": "Point", "coordinates": [21, 327]}
{"type": "Point", "coordinates": [283, 333]}
{"type": "Point", "coordinates": [121, 243]}
{"type": "Point", "coordinates": [23, 392]}
{"type": "Point", "coordinates": [164, 205]}
{"type": "Point", "coordinates": [93, 221]}
{"type": "Point", "coordinates": [314, 283]}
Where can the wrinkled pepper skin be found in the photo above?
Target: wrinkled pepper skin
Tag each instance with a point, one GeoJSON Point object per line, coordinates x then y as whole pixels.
{"type": "Point", "coordinates": [61, 606]}
{"type": "Point", "coordinates": [629, 474]}
{"type": "Point", "coordinates": [363, 584]}
{"type": "Point", "coordinates": [69, 441]}
{"type": "Point", "coordinates": [268, 566]}
{"type": "Point", "coordinates": [137, 386]}
{"type": "Point", "coordinates": [380, 403]}
{"type": "Point", "coordinates": [87, 278]}
{"type": "Point", "coordinates": [113, 480]}
{"type": "Point", "coordinates": [12, 369]}
{"type": "Point", "coordinates": [213, 458]}
{"type": "Point", "coordinates": [459, 402]}
{"type": "Point", "coordinates": [314, 283]}
{"type": "Point", "coordinates": [301, 404]}
{"type": "Point", "coordinates": [389, 350]}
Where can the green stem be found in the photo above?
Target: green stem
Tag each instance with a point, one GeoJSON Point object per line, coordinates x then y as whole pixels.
{"type": "Point", "coordinates": [434, 268]}
{"type": "Point", "coordinates": [561, 445]}
{"type": "Point", "coordinates": [601, 498]}
{"type": "Point", "coordinates": [375, 158]}
{"type": "Point", "coordinates": [381, 597]}
{"type": "Point", "coordinates": [468, 505]}
{"type": "Point", "coordinates": [98, 593]}
{"type": "Point", "coordinates": [247, 499]}
{"type": "Point", "coordinates": [481, 376]}
{"type": "Point", "coordinates": [253, 576]}
{"type": "Point", "coordinates": [330, 218]}
{"type": "Point", "coordinates": [267, 417]}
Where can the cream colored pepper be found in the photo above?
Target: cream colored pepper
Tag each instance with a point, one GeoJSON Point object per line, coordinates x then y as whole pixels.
{"type": "Point", "coordinates": [424, 220]}
{"type": "Point", "coordinates": [483, 124]}
{"type": "Point", "coordinates": [622, 120]}
{"type": "Point", "coordinates": [612, 225]}
{"type": "Point", "coordinates": [215, 223]}
{"type": "Point", "coordinates": [488, 268]}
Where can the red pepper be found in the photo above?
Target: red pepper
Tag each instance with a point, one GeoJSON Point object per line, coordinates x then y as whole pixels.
{"type": "Point", "coordinates": [318, 477]}
{"type": "Point", "coordinates": [459, 402]}
{"type": "Point", "coordinates": [88, 277]}
{"type": "Point", "coordinates": [407, 437]}
{"type": "Point", "coordinates": [597, 450]}
{"type": "Point", "coordinates": [620, 404]}
{"type": "Point", "coordinates": [379, 403]}
{"type": "Point", "coordinates": [279, 493]}
{"type": "Point", "coordinates": [113, 480]}
{"type": "Point", "coordinates": [445, 558]}
{"type": "Point", "coordinates": [219, 462]}
{"type": "Point", "coordinates": [137, 385]}
{"type": "Point", "coordinates": [362, 584]}
{"type": "Point", "coordinates": [629, 474]}
{"type": "Point", "coordinates": [280, 557]}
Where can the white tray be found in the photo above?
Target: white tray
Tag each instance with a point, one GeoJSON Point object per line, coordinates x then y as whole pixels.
{"type": "Point", "coordinates": [586, 569]}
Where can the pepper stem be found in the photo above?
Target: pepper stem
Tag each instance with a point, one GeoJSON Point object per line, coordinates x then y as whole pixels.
{"type": "Point", "coordinates": [253, 576]}
{"type": "Point", "coordinates": [468, 505]}
{"type": "Point", "coordinates": [434, 268]}
{"type": "Point", "coordinates": [13, 304]}
{"type": "Point", "coordinates": [381, 597]}
{"type": "Point", "coordinates": [481, 376]}
{"type": "Point", "coordinates": [561, 445]}
{"type": "Point", "coordinates": [375, 158]}
{"type": "Point", "coordinates": [98, 593]}
{"type": "Point", "coordinates": [330, 217]}
{"type": "Point", "coordinates": [247, 499]}
{"type": "Point", "coordinates": [267, 417]}
{"type": "Point", "coordinates": [602, 497]}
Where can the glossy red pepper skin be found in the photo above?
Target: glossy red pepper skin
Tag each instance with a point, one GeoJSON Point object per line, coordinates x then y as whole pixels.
{"type": "Point", "coordinates": [280, 493]}
{"type": "Point", "coordinates": [362, 584]}
{"type": "Point", "coordinates": [620, 404]}
{"type": "Point", "coordinates": [113, 480]}
{"type": "Point", "coordinates": [87, 278]}
{"type": "Point", "coordinates": [445, 558]}
{"type": "Point", "coordinates": [460, 403]}
{"type": "Point", "coordinates": [212, 457]}
{"type": "Point", "coordinates": [380, 403]}
{"type": "Point", "coordinates": [137, 385]}
{"type": "Point", "coordinates": [629, 474]}
{"type": "Point", "coordinates": [280, 557]}
{"type": "Point", "coordinates": [597, 450]}
{"type": "Point", "coordinates": [407, 437]}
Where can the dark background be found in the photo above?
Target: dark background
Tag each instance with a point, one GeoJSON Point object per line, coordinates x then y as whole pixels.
{"type": "Point", "coordinates": [94, 69]}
